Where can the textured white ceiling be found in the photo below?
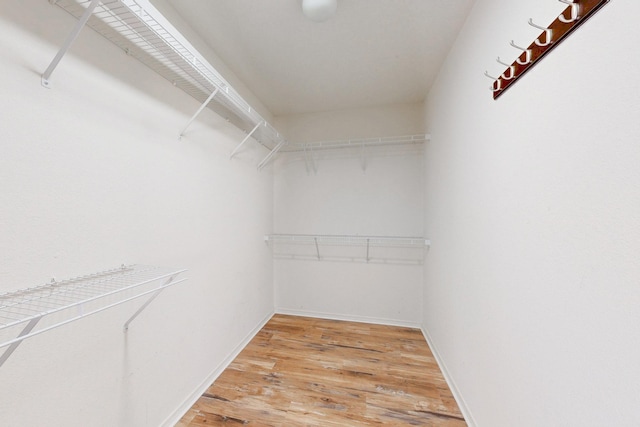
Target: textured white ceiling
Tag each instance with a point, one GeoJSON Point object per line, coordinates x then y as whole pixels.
{"type": "Point", "coordinates": [372, 52]}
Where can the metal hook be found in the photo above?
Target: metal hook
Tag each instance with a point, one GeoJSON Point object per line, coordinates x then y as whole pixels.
{"type": "Point", "coordinates": [486, 73]}
{"type": "Point", "coordinates": [495, 79]}
{"type": "Point", "coordinates": [574, 12]}
{"type": "Point", "coordinates": [527, 56]}
{"type": "Point", "coordinates": [548, 33]}
{"type": "Point", "coordinates": [512, 69]}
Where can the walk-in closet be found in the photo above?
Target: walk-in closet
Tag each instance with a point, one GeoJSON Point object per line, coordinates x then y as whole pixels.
{"type": "Point", "coordinates": [319, 212]}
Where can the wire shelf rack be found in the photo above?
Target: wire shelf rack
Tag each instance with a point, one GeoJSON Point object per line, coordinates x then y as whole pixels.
{"type": "Point", "coordinates": [32, 311]}
{"type": "Point", "coordinates": [361, 147]}
{"type": "Point", "coordinates": [357, 143]}
{"type": "Point", "coordinates": [143, 33]}
{"type": "Point", "coordinates": [368, 249]}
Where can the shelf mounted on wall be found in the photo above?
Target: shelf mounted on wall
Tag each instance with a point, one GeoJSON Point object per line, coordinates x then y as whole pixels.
{"type": "Point", "coordinates": [575, 14]}
{"type": "Point", "coordinates": [349, 248]}
{"type": "Point", "coordinates": [32, 311]}
{"type": "Point", "coordinates": [144, 33]}
{"type": "Point", "coordinates": [141, 31]}
{"type": "Point", "coordinates": [310, 150]}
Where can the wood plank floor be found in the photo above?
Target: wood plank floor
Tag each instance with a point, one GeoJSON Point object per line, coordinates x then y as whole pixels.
{"type": "Point", "coordinates": [299, 371]}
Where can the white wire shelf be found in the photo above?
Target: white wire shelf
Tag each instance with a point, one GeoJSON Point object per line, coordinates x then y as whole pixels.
{"type": "Point", "coordinates": [359, 146]}
{"type": "Point", "coordinates": [368, 249]}
{"type": "Point", "coordinates": [144, 33]}
{"type": "Point", "coordinates": [358, 143]}
{"type": "Point", "coordinates": [32, 311]}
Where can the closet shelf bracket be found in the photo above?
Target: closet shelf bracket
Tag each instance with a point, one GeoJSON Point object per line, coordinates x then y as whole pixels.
{"type": "Point", "coordinates": [62, 302]}
{"type": "Point", "coordinates": [315, 239]}
{"type": "Point", "coordinates": [363, 154]}
{"type": "Point", "coordinates": [309, 159]}
{"type": "Point", "coordinates": [202, 107]}
{"type": "Point", "coordinates": [273, 152]}
{"type": "Point", "coordinates": [368, 242]}
{"type": "Point", "coordinates": [154, 295]}
{"type": "Point", "coordinates": [246, 138]}
{"type": "Point", "coordinates": [68, 42]}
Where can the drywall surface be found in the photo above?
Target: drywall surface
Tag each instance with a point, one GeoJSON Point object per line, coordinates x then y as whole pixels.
{"type": "Point", "coordinates": [380, 194]}
{"type": "Point", "coordinates": [92, 176]}
{"type": "Point", "coordinates": [532, 296]}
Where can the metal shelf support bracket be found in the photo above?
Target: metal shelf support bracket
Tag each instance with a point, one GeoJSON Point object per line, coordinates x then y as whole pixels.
{"type": "Point", "coordinates": [9, 351]}
{"type": "Point", "coordinates": [246, 138]}
{"type": "Point", "coordinates": [368, 240]}
{"type": "Point", "coordinates": [147, 302]}
{"type": "Point", "coordinates": [315, 239]}
{"type": "Point", "coordinates": [68, 42]}
{"type": "Point", "coordinates": [310, 159]}
{"type": "Point", "coordinates": [272, 153]}
{"type": "Point", "coordinates": [306, 158]}
{"type": "Point", "coordinates": [202, 107]}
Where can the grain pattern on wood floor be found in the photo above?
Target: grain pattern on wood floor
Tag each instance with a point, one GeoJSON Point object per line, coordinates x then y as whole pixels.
{"type": "Point", "coordinates": [300, 371]}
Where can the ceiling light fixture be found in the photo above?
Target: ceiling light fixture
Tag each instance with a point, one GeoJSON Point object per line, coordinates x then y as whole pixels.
{"type": "Point", "coordinates": [319, 10]}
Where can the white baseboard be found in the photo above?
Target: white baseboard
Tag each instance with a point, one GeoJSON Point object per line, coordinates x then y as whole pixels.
{"type": "Point", "coordinates": [452, 385]}
{"type": "Point", "coordinates": [173, 419]}
{"type": "Point", "coordinates": [348, 318]}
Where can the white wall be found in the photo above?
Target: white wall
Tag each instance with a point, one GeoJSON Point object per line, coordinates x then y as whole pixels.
{"type": "Point", "coordinates": [532, 295]}
{"type": "Point", "coordinates": [385, 199]}
{"type": "Point", "coordinates": [92, 176]}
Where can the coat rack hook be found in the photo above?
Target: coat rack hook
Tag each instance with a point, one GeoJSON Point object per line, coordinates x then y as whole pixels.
{"type": "Point", "coordinates": [574, 12]}
{"type": "Point", "coordinates": [486, 73]}
{"type": "Point", "coordinates": [527, 58]}
{"type": "Point", "coordinates": [571, 16]}
{"type": "Point", "coordinates": [511, 69]}
{"type": "Point", "coordinates": [548, 34]}
{"type": "Point", "coordinates": [495, 79]}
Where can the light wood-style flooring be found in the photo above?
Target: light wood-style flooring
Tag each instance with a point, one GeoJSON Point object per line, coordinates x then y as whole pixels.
{"type": "Point", "coordinates": [300, 371]}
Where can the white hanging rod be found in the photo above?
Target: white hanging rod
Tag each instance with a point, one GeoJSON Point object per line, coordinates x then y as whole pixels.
{"type": "Point", "coordinates": [73, 299]}
{"type": "Point", "coordinates": [359, 143]}
{"type": "Point", "coordinates": [348, 240]}
{"type": "Point", "coordinates": [144, 33]}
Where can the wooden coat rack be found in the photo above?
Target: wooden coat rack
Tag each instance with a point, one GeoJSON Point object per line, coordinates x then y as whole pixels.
{"type": "Point", "coordinates": [576, 14]}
